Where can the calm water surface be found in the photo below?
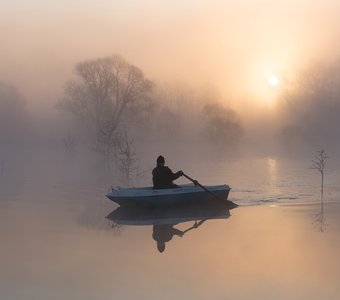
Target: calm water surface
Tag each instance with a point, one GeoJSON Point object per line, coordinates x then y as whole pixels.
{"type": "Point", "coordinates": [56, 242]}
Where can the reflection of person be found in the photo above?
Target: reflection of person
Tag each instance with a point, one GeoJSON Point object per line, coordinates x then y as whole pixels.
{"type": "Point", "coordinates": [162, 176]}
{"type": "Point", "coordinates": [164, 233]}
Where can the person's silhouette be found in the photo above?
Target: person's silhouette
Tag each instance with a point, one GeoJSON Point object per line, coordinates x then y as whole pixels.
{"type": "Point", "coordinates": [164, 233]}
{"type": "Point", "coordinates": [162, 176]}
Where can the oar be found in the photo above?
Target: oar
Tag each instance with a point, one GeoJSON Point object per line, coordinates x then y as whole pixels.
{"type": "Point", "coordinates": [196, 225]}
{"type": "Point", "coordinates": [201, 186]}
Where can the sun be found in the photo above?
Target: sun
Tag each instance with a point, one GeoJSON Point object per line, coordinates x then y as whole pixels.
{"type": "Point", "coordinates": [273, 80]}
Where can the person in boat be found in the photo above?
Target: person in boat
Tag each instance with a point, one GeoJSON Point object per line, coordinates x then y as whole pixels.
{"type": "Point", "coordinates": [162, 176]}
{"type": "Point", "coordinates": [164, 233]}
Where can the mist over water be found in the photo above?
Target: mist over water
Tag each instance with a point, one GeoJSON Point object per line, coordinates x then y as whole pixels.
{"type": "Point", "coordinates": [92, 92]}
{"type": "Point", "coordinates": [209, 63]}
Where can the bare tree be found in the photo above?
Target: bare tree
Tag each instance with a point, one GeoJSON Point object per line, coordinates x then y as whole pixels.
{"type": "Point", "coordinates": [69, 143]}
{"type": "Point", "coordinates": [319, 163]}
{"type": "Point", "coordinates": [127, 157]}
{"type": "Point", "coordinates": [105, 89]}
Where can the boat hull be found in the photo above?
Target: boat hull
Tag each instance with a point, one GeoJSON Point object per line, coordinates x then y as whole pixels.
{"type": "Point", "coordinates": [185, 194]}
{"type": "Point", "coordinates": [139, 215]}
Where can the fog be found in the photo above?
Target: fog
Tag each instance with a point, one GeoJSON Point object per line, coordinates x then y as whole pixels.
{"type": "Point", "coordinates": [228, 45]}
{"type": "Point", "coordinates": [208, 62]}
{"type": "Point", "coordinates": [242, 93]}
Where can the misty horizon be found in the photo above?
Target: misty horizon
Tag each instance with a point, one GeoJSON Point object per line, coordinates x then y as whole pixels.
{"type": "Point", "coordinates": [196, 56]}
{"type": "Point", "coordinates": [241, 98]}
{"type": "Point", "coordinates": [236, 80]}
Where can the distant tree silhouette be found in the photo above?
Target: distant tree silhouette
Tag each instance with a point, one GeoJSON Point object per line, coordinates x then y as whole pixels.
{"type": "Point", "coordinates": [221, 124]}
{"type": "Point", "coordinates": [310, 107]}
{"type": "Point", "coordinates": [69, 143]}
{"type": "Point", "coordinates": [319, 163]}
{"type": "Point", "coordinates": [13, 114]}
{"type": "Point", "coordinates": [104, 91]}
{"type": "Point", "coordinates": [127, 157]}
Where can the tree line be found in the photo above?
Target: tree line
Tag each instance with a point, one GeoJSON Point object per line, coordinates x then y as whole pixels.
{"type": "Point", "coordinates": [115, 102]}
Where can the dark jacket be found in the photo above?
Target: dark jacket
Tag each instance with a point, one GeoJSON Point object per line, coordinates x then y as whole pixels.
{"type": "Point", "coordinates": [164, 233]}
{"type": "Point", "coordinates": [162, 177]}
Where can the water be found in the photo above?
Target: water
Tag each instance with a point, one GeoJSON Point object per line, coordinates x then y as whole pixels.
{"type": "Point", "coordinates": [56, 242]}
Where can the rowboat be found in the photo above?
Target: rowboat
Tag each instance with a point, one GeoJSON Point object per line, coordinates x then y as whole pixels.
{"type": "Point", "coordinates": [183, 194]}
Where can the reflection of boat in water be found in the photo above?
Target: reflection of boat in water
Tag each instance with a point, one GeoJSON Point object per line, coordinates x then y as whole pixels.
{"type": "Point", "coordinates": [183, 194]}
{"type": "Point", "coordinates": [163, 219]}
{"type": "Point", "coordinates": [139, 215]}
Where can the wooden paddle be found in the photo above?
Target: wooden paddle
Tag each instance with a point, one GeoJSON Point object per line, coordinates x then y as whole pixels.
{"type": "Point", "coordinates": [201, 186]}
{"type": "Point", "coordinates": [196, 225]}
{"type": "Point", "coordinates": [224, 202]}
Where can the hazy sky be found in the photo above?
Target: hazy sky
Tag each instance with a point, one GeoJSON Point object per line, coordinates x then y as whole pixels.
{"type": "Point", "coordinates": [231, 45]}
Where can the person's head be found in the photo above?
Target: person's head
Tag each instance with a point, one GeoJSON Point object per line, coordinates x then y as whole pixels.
{"type": "Point", "coordinates": [161, 246]}
{"type": "Point", "coordinates": [160, 161]}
